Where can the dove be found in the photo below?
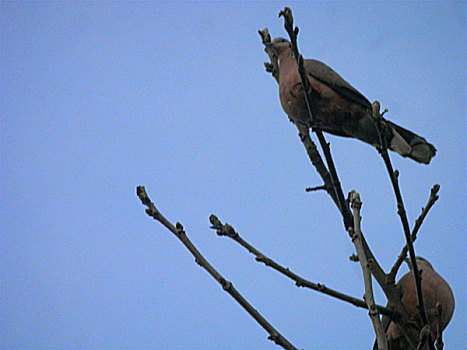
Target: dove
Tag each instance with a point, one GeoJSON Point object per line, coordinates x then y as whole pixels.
{"type": "Point", "coordinates": [435, 290]}
{"type": "Point", "coordinates": [339, 108]}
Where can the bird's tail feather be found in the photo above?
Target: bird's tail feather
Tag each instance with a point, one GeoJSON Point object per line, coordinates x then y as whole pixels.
{"type": "Point", "coordinates": [408, 144]}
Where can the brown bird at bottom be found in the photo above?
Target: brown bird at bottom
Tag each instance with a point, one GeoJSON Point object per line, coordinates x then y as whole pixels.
{"type": "Point", "coordinates": [435, 290]}
{"type": "Point", "coordinates": [340, 109]}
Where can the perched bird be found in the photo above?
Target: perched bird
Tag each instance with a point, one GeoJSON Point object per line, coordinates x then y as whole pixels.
{"type": "Point", "coordinates": [340, 109]}
{"type": "Point", "coordinates": [435, 290]}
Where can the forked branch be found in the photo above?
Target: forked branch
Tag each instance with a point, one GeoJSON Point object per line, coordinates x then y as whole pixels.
{"type": "Point", "coordinates": [365, 264]}
{"type": "Point", "coordinates": [336, 185]}
{"type": "Point", "coordinates": [179, 232]}
{"type": "Point", "coordinates": [418, 223]}
{"type": "Point", "coordinates": [228, 231]}
{"type": "Point", "coordinates": [333, 186]}
{"type": "Point", "coordinates": [382, 130]}
{"type": "Point", "coordinates": [337, 196]}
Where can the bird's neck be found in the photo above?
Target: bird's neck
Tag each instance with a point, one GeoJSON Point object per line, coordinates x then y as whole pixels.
{"type": "Point", "coordinates": [287, 59]}
{"type": "Point", "coordinates": [287, 63]}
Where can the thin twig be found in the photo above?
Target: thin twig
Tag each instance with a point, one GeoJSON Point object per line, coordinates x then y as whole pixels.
{"type": "Point", "coordinates": [439, 327]}
{"type": "Point", "coordinates": [382, 129]}
{"type": "Point", "coordinates": [330, 177]}
{"type": "Point", "coordinates": [418, 223]}
{"type": "Point", "coordinates": [303, 132]}
{"type": "Point", "coordinates": [178, 231]}
{"type": "Point", "coordinates": [316, 160]}
{"type": "Point", "coordinates": [316, 188]}
{"type": "Point", "coordinates": [332, 182]}
{"type": "Point", "coordinates": [333, 185]}
{"type": "Point", "coordinates": [273, 66]}
{"type": "Point", "coordinates": [369, 298]}
{"type": "Point", "coordinates": [228, 231]}
{"type": "Point", "coordinates": [293, 32]}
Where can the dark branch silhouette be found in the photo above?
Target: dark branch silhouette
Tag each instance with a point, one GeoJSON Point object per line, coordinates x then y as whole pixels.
{"type": "Point", "coordinates": [356, 204]}
{"type": "Point", "coordinates": [336, 185]}
{"type": "Point", "coordinates": [381, 127]}
{"type": "Point", "coordinates": [418, 223]}
{"type": "Point", "coordinates": [227, 230]}
{"type": "Point", "coordinates": [178, 231]}
{"type": "Point", "coordinates": [337, 193]}
{"type": "Point", "coordinates": [330, 178]}
{"type": "Point", "coordinates": [331, 183]}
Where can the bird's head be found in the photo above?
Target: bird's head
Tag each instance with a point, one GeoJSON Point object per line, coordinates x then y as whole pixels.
{"type": "Point", "coordinates": [280, 47]}
{"type": "Point", "coordinates": [421, 262]}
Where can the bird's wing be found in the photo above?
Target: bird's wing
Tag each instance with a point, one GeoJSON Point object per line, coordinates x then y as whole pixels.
{"type": "Point", "coordinates": [328, 76]}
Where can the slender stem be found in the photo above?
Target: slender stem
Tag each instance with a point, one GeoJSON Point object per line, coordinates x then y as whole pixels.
{"type": "Point", "coordinates": [228, 231]}
{"type": "Point", "coordinates": [356, 233]}
{"type": "Point", "coordinates": [418, 223]}
{"type": "Point", "coordinates": [178, 231]}
{"type": "Point", "coordinates": [273, 66]}
{"type": "Point", "coordinates": [439, 327]}
{"type": "Point", "coordinates": [330, 177]}
{"type": "Point", "coordinates": [382, 129]}
{"type": "Point", "coordinates": [336, 185]}
{"type": "Point", "coordinates": [317, 161]}
{"type": "Point", "coordinates": [316, 188]}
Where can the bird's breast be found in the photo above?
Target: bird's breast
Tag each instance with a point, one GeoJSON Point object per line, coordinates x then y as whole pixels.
{"type": "Point", "coordinates": [330, 108]}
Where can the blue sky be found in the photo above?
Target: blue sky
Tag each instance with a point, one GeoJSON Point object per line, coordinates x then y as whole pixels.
{"type": "Point", "coordinates": [99, 97]}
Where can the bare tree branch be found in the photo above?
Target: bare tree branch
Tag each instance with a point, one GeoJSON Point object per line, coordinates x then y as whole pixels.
{"type": "Point", "coordinates": [178, 231]}
{"type": "Point", "coordinates": [352, 223]}
{"type": "Point", "coordinates": [439, 327]}
{"type": "Point", "coordinates": [382, 130]}
{"type": "Point", "coordinates": [303, 132]}
{"type": "Point", "coordinates": [273, 66]}
{"type": "Point", "coordinates": [333, 186]}
{"type": "Point", "coordinates": [316, 188]}
{"type": "Point", "coordinates": [317, 161]}
{"type": "Point", "coordinates": [418, 223]}
{"type": "Point", "coordinates": [369, 298]}
{"type": "Point", "coordinates": [336, 185]}
{"type": "Point", "coordinates": [338, 197]}
{"type": "Point", "coordinates": [228, 231]}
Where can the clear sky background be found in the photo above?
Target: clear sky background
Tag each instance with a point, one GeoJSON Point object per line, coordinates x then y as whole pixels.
{"type": "Point", "coordinates": [99, 97]}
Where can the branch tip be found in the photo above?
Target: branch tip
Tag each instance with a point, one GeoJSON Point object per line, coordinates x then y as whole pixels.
{"type": "Point", "coordinates": [287, 14]}
{"type": "Point", "coordinates": [178, 231]}
{"type": "Point", "coordinates": [354, 258]}
{"type": "Point", "coordinates": [316, 188]}
{"type": "Point", "coordinates": [265, 36]}
{"type": "Point", "coordinates": [215, 222]}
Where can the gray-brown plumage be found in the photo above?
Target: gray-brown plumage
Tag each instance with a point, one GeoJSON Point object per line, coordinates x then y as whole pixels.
{"type": "Point", "coordinates": [435, 290]}
{"type": "Point", "coordinates": [340, 109]}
